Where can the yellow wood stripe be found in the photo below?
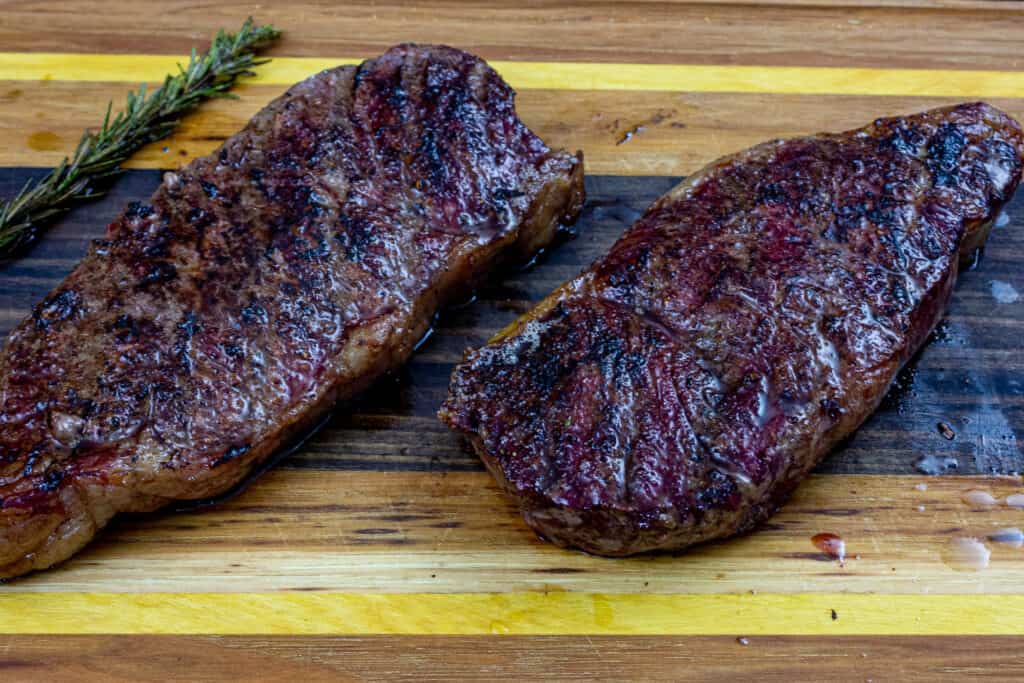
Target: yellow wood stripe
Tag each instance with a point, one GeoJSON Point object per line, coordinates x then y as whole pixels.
{"type": "Point", "coordinates": [32, 66]}
{"type": "Point", "coordinates": [513, 613]}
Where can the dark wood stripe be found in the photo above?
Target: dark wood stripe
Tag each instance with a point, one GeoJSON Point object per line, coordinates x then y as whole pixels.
{"type": "Point", "coordinates": [968, 377]}
{"type": "Point", "coordinates": [563, 658]}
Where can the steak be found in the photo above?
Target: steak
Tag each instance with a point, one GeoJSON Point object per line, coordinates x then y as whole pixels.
{"type": "Point", "coordinates": [681, 387]}
{"type": "Point", "coordinates": [261, 284]}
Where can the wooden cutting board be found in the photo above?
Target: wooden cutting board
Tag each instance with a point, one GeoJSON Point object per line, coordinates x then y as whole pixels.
{"type": "Point", "coordinates": [381, 549]}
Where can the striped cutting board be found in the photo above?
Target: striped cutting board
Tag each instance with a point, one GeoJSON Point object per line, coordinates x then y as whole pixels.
{"type": "Point", "coordinates": [381, 549]}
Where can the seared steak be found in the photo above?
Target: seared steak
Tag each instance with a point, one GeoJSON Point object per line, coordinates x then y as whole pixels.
{"type": "Point", "coordinates": [259, 285]}
{"type": "Point", "coordinates": [680, 388]}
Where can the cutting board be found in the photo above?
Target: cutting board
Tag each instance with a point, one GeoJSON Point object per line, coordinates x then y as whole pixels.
{"type": "Point", "coordinates": [381, 549]}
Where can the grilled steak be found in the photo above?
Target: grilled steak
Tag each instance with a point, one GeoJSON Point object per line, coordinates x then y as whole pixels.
{"type": "Point", "coordinates": [680, 388]}
{"type": "Point", "coordinates": [259, 285]}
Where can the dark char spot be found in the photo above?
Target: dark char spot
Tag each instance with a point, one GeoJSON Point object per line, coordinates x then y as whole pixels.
{"type": "Point", "coordinates": [905, 141]}
{"type": "Point", "coordinates": [198, 217]}
{"type": "Point", "coordinates": [125, 328]}
{"type": "Point", "coordinates": [158, 273]}
{"type": "Point", "coordinates": [254, 313]}
{"type": "Point", "coordinates": [186, 330]}
{"type": "Point", "coordinates": [209, 189]}
{"type": "Point", "coordinates": [137, 210]}
{"type": "Point", "coordinates": [61, 306]}
{"type": "Point", "coordinates": [52, 480]}
{"type": "Point", "coordinates": [189, 326]}
{"type": "Point", "coordinates": [831, 408]}
{"type": "Point", "coordinates": [944, 152]}
{"type": "Point", "coordinates": [503, 194]}
{"type": "Point", "coordinates": [771, 193]}
{"type": "Point", "coordinates": [357, 237]}
{"type": "Point", "coordinates": [30, 461]}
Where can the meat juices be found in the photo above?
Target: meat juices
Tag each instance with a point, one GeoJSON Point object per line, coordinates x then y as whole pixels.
{"type": "Point", "coordinates": [681, 387]}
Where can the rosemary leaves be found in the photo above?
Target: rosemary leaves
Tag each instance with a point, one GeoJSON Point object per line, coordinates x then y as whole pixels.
{"type": "Point", "coordinates": [145, 118]}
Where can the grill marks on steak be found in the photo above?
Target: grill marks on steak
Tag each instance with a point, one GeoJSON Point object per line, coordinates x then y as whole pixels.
{"type": "Point", "coordinates": [289, 269]}
{"type": "Point", "coordinates": [678, 389]}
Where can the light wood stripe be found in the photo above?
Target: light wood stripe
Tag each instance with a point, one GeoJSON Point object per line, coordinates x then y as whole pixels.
{"type": "Point", "coordinates": [40, 122]}
{"type": "Point", "coordinates": [511, 614]}
{"type": "Point", "coordinates": [453, 532]}
{"type": "Point", "coordinates": [526, 75]}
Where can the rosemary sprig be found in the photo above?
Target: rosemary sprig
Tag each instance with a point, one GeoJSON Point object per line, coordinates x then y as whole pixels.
{"type": "Point", "coordinates": [145, 118]}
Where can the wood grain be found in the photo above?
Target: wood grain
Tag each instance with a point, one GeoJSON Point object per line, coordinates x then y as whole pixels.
{"type": "Point", "coordinates": [945, 35]}
{"type": "Point", "coordinates": [44, 67]}
{"type": "Point", "coordinates": [674, 133]}
{"type": "Point", "coordinates": [508, 614]}
{"type": "Point", "coordinates": [453, 532]}
{"type": "Point", "coordinates": [386, 506]}
{"type": "Point", "coordinates": [440, 658]}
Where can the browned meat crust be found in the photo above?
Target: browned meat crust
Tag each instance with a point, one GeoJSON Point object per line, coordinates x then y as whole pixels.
{"type": "Point", "coordinates": [680, 388]}
{"type": "Point", "coordinates": [259, 285]}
